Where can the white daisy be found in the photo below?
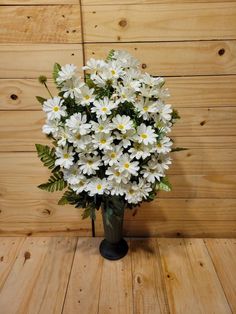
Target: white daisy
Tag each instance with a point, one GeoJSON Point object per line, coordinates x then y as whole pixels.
{"type": "Point", "coordinates": [139, 150]}
{"type": "Point", "coordinates": [115, 175]}
{"type": "Point", "coordinates": [103, 107]}
{"type": "Point", "coordinates": [164, 145]}
{"type": "Point", "coordinates": [79, 141]}
{"type": "Point", "coordinates": [72, 175]}
{"type": "Point", "coordinates": [102, 141]}
{"type": "Point", "coordinates": [164, 112]}
{"type": "Point", "coordinates": [145, 108]}
{"type": "Point", "coordinates": [125, 94]}
{"type": "Point", "coordinates": [127, 166]}
{"type": "Point", "coordinates": [64, 157]}
{"type": "Point", "coordinates": [132, 194]}
{"type": "Point", "coordinates": [125, 138]}
{"type": "Point", "coordinates": [89, 164]}
{"type": "Point", "coordinates": [77, 123]}
{"type": "Point", "coordinates": [126, 60]}
{"type": "Point", "coordinates": [54, 108]}
{"type": "Point", "coordinates": [97, 186]}
{"type": "Point", "coordinates": [81, 185]}
{"type": "Point", "coordinates": [72, 87]}
{"type": "Point", "coordinates": [164, 162]}
{"type": "Point", "coordinates": [85, 96]}
{"type": "Point", "coordinates": [62, 136]}
{"type": "Point", "coordinates": [114, 70]}
{"type": "Point", "coordinates": [101, 126]}
{"type": "Point", "coordinates": [66, 73]}
{"type": "Point", "coordinates": [145, 134]}
{"type": "Point", "coordinates": [116, 188]}
{"type": "Point", "coordinates": [122, 123]}
{"type": "Point", "coordinates": [152, 81]}
{"type": "Point", "coordinates": [51, 127]}
{"type": "Point", "coordinates": [111, 156]}
{"type": "Point", "coordinates": [152, 171]}
{"type": "Point", "coordinates": [94, 65]}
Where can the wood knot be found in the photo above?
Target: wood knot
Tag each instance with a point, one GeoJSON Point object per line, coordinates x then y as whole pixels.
{"type": "Point", "coordinates": [221, 52]}
{"type": "Point", "coordinates": [14, 97]}
{"type": "Point", "coordinates": [1, 258]}
{"type": "Point", "coordinates": [138, 279]}
{"type": "Point", "coordinates": [27, 256]}
{"type": "Point", "coordinates": [46, 212]}
{"type": "Point", "coordinates": [203, 123]}
{"type": "Point", "coordinates": [144, 65]}
{"type": "Point", "coordinates": [123, 23]}
{"type": "Point", "coordinates": [201, 264]}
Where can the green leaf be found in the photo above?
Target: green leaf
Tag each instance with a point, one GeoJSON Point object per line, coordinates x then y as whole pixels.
{"type": "Point", "coordinates": [55, 72]}
{"type": "Point", "coordinates": [46, 155]}
{"type": "Point", "coordinates": [165, 185]}
{"type": "Point", "coordinates": [55, 183]}
{"type": "Point", "coordinates": [41, 100]}
{"type": "Point", "coordinates": [110, 55]}
{"type": "Point", "coordinates": [86, 213]}
{"type": "Point", "coordinates": [175, 114]}
{"type": "Point", "coordinates": [178, 149]}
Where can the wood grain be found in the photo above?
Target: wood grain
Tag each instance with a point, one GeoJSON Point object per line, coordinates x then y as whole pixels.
{"type": "Point", "coordinates": [223, 254]}
{"type": "Point", "coordinates": [189, 92]}
{"type": "Point", "coordinates": [175, 58]}
{"type": "Point", "coordinates": [191, 281]}
{"type": "Point", "coordinates": [40, 24]}
{"type": "Point", "coordinates": [36, 2]}
{"type": "Point", "coordinates": [20, 130]}
{"type": "Point", "coordinates": [116, 295]}
{"type": "Point", "coordinates": [112, 2]}
{"type": "Point", "coordinates": [84, 285]}
{"type": "Point", "coordinates": [39, 276]}
{"type": "Point", "coordinates": [30, 61]}
{"type": "Point", "coordinates": [159, 22]}
{"type": "Point", "coordinates": [176, 228]}
{"type": "Point", "coordinates": [9, 249]}
{"type": "Point", "coordinates": [148, 284]}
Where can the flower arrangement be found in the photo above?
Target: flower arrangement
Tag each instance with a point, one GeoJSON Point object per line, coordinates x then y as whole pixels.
{"type": "Point", "coordinates": [110, 134]}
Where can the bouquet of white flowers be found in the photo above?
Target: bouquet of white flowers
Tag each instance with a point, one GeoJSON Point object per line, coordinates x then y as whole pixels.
{"type": "Point", "coordinates": [110, 133]}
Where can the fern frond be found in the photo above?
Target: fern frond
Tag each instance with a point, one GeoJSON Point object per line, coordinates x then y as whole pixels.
{"type": "Point", "coordinates": [46, 155]}
{"type": "Point", "coordinates": [55, 183]}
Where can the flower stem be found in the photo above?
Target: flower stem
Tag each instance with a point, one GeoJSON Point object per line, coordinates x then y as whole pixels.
{"type": "Point", "coordinates": [47, 89]}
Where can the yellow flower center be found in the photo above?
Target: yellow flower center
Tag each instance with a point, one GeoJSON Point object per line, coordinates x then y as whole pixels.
{"type": "Point", "coordinates": [78, 136]}
{"type": "Point", "coordinates": [159, 145]}
{"type": "Point", "coordinates": [56, 108]}
{"type": "Point", "coordinates": [99, 187]}
{"type": "Point", "coordinates": [87, 97]}
{"type": "Point", "coordinates": [121, 126]}
{"type": "Point", "coordinates": [113, 155]}
{"type": "Point", "coordinates": [66, 155]}
{"type": "Point", "coordinates": [104, 109]}
{"type": "Point", "coordinates": [103, 141]}
{"type": "Point", "coordinates": [101, 127]}
{"type": "Point", "coordinates": [117, 173]}
{"type": "Point", "coordinates": [90, 162]}
{"type": "Point", "coordinates": [144, 135]}
{"type": "Point", "coordinates": [145, 108]}
{"type": "Point", "coordinates": [123, 95]}
{"type": "Point", "coordinates": [113, 72]}
{"type": "Point", "coordinates": [126, 165]}
{"type": "Point", "coordinates": [81, 183]}
{"type": "Point", "coordinates": [131, 191]}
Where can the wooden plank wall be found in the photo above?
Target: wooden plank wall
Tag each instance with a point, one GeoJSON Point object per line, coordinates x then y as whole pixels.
{"type": "Point", "coordinates": [192, 44]}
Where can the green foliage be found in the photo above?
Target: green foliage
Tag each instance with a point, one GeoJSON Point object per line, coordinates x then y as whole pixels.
{"type": "Point", "coordinates": [41, 100]}
{"type": "Point", "coordinates": [165, 185]}
{"type": "Point", "coordinates": [110, 55]}
{"type": "Point", "coordinates": [56, 69]}
{"type": "Point", "coordinates": [42, 79]}
{"type": "Point", "coordinates": [178, 149]}
{"type": "Point", "coordinates": [175, 115]}
{"type": "Point", "coordinates": [55, 183]}
{"type": "Point", "coordinates": [46, 155]}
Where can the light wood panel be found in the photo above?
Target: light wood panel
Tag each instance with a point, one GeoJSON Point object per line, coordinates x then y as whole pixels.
{"type": "Point", "coordinates": [36, 2]}
{"type": "Point", "coordinates": [204, 91]}
{"type": "Point", "coordinates": [85, 279]}
{"type": "Point", "coordinates": [40, 24]}
{"type": "Point", "coordinates": [175, 228]}
{"type": "Point", "coordinates": [148, 283]}
{"type": "Point", "coordinates": [39, 276]}
{"type": "Point", "coordinates": [205, 142]}
{"type": "Point", "coordinates": [112, 2]}
{"type": "Point", "coordinates": [175, 58]}
{"type": "Point", "coordinates": [9, 249]}
{"type": "Point", "coordinates": [155, 22]}
{"type": "Point", "coordinates": [20, 130]}
{"type": "Point", "coordinates": [223, 252]}
{"type": "Point", "coordinates": [30, 61]}
{"type": "Point", "coordinates": [191, 281]}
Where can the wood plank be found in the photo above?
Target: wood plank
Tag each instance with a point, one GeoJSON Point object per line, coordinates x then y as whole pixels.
{"type": "Point", "coordinates": [205, 142]}
{"type": "Point", "coordinates": [116, 295]}
{"type": "Point", "coordinates": [223, 254]}
{"type": "Point", "coordinates": [204, 91]}
{"type": "Point", "coordinates": [30, 61]}
{"type": "Point", "coordinates": [40, 24]}
{"type": "Point", "coordinates": [191, 281]}
{"type": "Point", "coordinates": [39, 276]}
{"type": "Point", "coordinates": [174, 58]}
{"type": "Point", "coordinates": [19, 175]}
{"type": "Point", "coordinates": [9, 250]}
{"type": "Point", "coordinates": [148, 284]}
{"type": "Point", "coordinates": [49, 228]}
{"type": "Point", "coordinates": [20, 94]}
{"type": "Point", "coordinates": [86, 273]}
{"type": "Point", "coordinates": [111, 2]}
{"type": "Point", "coordinates": [45, 209]}
{"type": "Point", "coordinates": [176, 228]}
{"type": "Point", "coordinates": [20, 130]}
{"type": "Point", "coordinates": [36, 2]}
{"type": "Point", "coordinates": [160, 22]}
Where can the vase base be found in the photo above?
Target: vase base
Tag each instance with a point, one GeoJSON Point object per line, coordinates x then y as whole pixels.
{"type": "Point", "coordinates": [113, 251]}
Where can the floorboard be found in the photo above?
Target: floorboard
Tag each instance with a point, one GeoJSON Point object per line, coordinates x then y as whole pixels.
{"type": "Point", "coordinates": [67, 275]}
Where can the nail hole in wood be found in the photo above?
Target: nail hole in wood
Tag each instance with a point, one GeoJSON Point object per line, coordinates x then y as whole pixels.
{"type": "Point", "coordinates": [221, 52]}
{"type": "Point", "coordinates": [14, 96]}
{"type": "Point", "coordinates": [138, 280]}
{"type": "Point", "coordinates": [123, 23]}
{"type": "Point", "coordinates": [144, 66]}
{"type": "Point", "coordinates": [72, 54]}
{"type": "Point", "coordinates": [28, 17]}
{"type": "Point", "coordinates": [95, 26]}
{"type": "Point", "coordinates": [203, 123]}
{"type": "Point", "coordinates": [118, 37]}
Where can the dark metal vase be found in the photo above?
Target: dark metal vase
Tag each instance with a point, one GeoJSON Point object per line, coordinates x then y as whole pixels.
{"type": "Point", "coordinates": [113, 247]}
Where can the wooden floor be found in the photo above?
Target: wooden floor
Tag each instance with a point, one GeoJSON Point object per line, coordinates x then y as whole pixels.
{"type": "Point", "coordinates": [67, 275]}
